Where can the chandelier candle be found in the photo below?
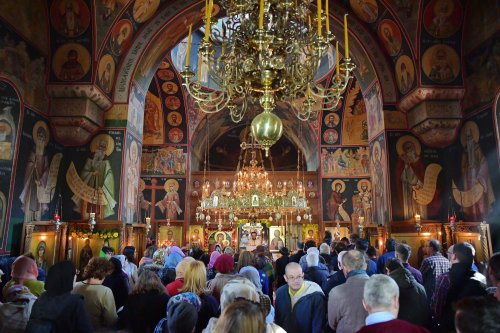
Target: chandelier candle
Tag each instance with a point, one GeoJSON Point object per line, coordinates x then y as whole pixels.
{"type": "Point", "coordinates": [208, 17]}
{"type": "Point", "coordinates": [346, 38]}
{"type": "Point", "coordinates": [188, 52]}
{"type": "Point", "coordinates": [327, 17]}
{"type": "Point", "coordinates": [338, 61]}
{"type": "Point", "coordinates": [319, 18]}
{"type": "Point", "coordinates": [261, 15]}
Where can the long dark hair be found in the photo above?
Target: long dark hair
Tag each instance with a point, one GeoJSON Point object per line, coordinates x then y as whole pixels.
{"type": "Point", "coordinates": [60, 278]}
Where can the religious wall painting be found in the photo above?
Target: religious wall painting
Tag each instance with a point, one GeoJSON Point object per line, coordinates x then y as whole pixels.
{"type": "Point", "coordinates": [218, 240]}
{"type": "Point", "coordinates": [196, 236]}
{"type": "Point", "coordinates": [121, 37]}
{"type": "Point", "coordinates": [24, 66]}
{"type": "Point", "coordinates": [416, 183]}
{"type": "Point", "coordinates": [366, 10]}
{"type": "Point", "coordinates": [364, 71]}
{"type": "Point", "coordinates": [480, 63]}
{"type": "Point", "coordinates": [170, 204]}
{"type": "Point", "coordinates": [390, 35]}
{"type": "Point", "coordinates": [71, 62]}
{"type": "Point", "coordinates": [474, 184]}
{"type": "Point", "coordinates": [3, 216]}
{"type": "Point", "coordinates": [43, 248]}
{"type": "Point", "coordinates": [395, 119]}
{"type": "Point", "coordinates": [170, 236]}
{"type": "Point", "coordinates": [167, 160]}
{"type": "Point", "coordinates": [277, 235]}
{"type": "Point", "coordinates": [375, 113]}
{"type": "Point", "coordinates": [106, 12]}
{"type": "Point", "coordinates": [345, 162]}
{"type": "Point", "coordinates": [405, 74]}
{"type": "Point", "coordinates": [330, 136]}
{"type": "Point", "coordinates": [106, 73]}
{"type": "Point", "coordinates": [154, 132]}
{"type": "Point", "coordinates": [175, 135]}
{"type": "Point", "coordinates": [481, 25]}
{"type": "Point", "coordinates": [165, 74]}
{"type": "Point", "coordinates": [172, 102]}
{"type": "Point", "coordinates": [69, 18]}
{"type": "Point", "coordinates": [94, 176]}
{"type": "Point", "coordinates": [169, 88]}
{"type": "Point", "coordinates": [310, 232]}
{"type": "Point", "coordinates": [9, 118]}
{"type": "Point", "coordinates": [130, 185]}
{"type": "Point", "coordinates": [136, 110]}
{"type": "Point", "coordinates": [441, 64]}
{"type": "Point", "coordinates": [354, 120]}
{"type": "Point", "coordinates": [174, 118]}
{"type": "Point", "coordinates": [407, 11]}
{"type": "Point", "coordinates": [362, 202]}
{"type": "Point", "coordinates": [331, 119]}
{"type": "Point", "coordinates": [143, 10]}
{"type": "Point", "coordinates": [32, 11]}
{"type": "Point", "coordinates": [40, 175]}
{"type": "Point", "coordinates": [442, 18]}
{"type": "Point", "coordinates": [253, 235]}
{"type": "Point", "coordinates": [338, 233]}
{"type": "Point", "coordinates": [334, 200]}
{"type": "Point", "coordinates": [378, 167]}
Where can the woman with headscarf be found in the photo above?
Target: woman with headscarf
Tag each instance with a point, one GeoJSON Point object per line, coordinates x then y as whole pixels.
{"type": "Point", "coordinates": [224, 265]}
{"type": "Point", "coordinates": [174, 257]}
{"type": "Point", "coordinates": [118, 282]}
{"type": "Point", "coordinates": [57, 307]}
{"type": "Point", "coordinates": [146, 305]}
{"type": "Point", "coordinates": [210, 267]}
{"type": "Point", "coordinates": [164, 326]}
{"type": "Point", "coordinates": [252, 274]}
{"type": "Point", "coordinates": [173, 288]}
{"type": "Point", "coordinates": [25, 272]}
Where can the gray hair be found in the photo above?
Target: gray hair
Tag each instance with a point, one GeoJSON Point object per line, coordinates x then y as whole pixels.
{"type": "Point", "coordinates": [403, 251]}
{"type": "Point", "coordinates": [379, 291]}
{"type": "Point", "coordinates": [324, 248]}
{"type": "Point", "coordinates": [339, 259]}
{"type": "Point", "coordinates": [312, 259]}
{"type": "Point", "coordinates": [354, 259]}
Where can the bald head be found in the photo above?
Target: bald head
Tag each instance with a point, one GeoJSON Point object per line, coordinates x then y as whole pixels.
{"type": "Point", "coordinates": [293, 266]}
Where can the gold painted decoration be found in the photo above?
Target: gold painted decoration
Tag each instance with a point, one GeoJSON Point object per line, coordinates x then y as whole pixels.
{"type": "Point", "coordinates": [104, 141]}
{"type": "Point", "coordinates": [425, 194]}
{"type": "Point", "coordinates": [405, 73]}
{"type": "Point", "coordinates": [144, 9]}
{"type": "Point", "coordinates": [469, 128]}
{"type": "Point", "coordinates": [71, 62]}
{"type": "Point", "coordinates": [41, 132]}
{"type": "Point", "coordinates": [106, 72]}
{"type": "Point", "coordinates": [470, 197]}
{"type": "Point", "coordinates": [441, 63]}
{"type": "Point", "coordinates": [171, 182]}
{"type": "Point", "coordinates": [338, 182]}
{"type": "Point", "coordinates": [408, 139]}
{"type": "Point", "coordinates": [82, 190]}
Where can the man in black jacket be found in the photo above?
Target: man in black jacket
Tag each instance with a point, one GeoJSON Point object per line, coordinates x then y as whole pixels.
{"type": "Point", "coordinates": [300, 252]}
{"type": "Point", "coordinates": [413, 305]}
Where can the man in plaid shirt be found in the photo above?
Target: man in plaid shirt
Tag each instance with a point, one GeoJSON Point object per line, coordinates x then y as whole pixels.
{"type": "Point", "coordinates": [433, 266]}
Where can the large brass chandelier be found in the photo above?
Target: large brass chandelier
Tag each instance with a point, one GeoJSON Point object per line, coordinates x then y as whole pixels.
{"type": "Point", "coordinates": [252, 195]}
{"type": "Point", "coordinates": [264, 52]}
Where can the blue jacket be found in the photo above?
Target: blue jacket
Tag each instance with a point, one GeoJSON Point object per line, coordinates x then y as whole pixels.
{"type": "Point", "coordinates": [316, 274]}
{"type": "Point", "coordinates": [383, 259]}
{"type": "Point", "coordinates": [309, 313]}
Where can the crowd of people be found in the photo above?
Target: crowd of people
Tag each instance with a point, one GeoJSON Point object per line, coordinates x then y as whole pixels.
{"type": "Point", "coordinates": [342, 287]}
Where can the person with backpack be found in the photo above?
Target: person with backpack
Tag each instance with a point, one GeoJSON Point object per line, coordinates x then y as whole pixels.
{"type": "Point", "coordinates": [58, 310]}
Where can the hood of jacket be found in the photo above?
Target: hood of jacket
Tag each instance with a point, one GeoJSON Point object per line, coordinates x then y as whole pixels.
{"type": "Point", "coordinates": [403, 278]}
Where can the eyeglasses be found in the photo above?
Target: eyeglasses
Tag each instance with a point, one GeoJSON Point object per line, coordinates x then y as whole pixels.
{"type": "Point", "coordinates": [295, 278]}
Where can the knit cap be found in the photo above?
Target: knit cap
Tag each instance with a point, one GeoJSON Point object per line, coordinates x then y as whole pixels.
{"type": "Point", "coordinates": [182, 318]}
{"type": "Point", "coordinates": [224, 264]}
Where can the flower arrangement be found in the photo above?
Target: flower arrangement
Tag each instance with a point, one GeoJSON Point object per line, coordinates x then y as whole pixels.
{"type": "Point", "coordinates": [95, 234]}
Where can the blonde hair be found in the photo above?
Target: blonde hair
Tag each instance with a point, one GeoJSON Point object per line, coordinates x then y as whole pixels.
{"type": "Point", "coordinates": [195, 278]}
{"type": "Point", "coordinates": [246, 259]}
{"type": "Point", "coordinates": [241, 317]}
{"type": "Point", "coordinates": [181, 267]}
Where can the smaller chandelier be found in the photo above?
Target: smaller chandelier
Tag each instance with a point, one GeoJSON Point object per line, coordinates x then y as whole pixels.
{"type": "Point", "coordinates": [264, 52]}
{"type": "Point", "coordinates": [252, 195]}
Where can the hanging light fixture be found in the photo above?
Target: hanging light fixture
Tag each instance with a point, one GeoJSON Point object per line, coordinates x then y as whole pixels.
{"type": "Point", "coordinates": [264, 52]}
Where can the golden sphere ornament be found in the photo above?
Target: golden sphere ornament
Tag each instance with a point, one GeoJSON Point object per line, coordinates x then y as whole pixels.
{"type": "Point", "coordinates": [267, 128]}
